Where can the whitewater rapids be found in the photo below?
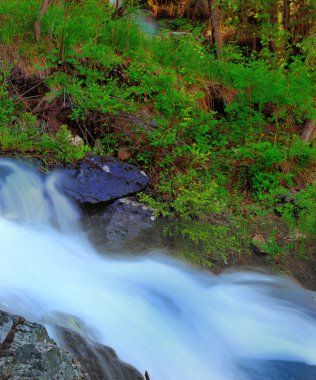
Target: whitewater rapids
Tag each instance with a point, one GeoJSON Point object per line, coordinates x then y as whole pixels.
{"type": "Point", "coordinates": [158, 314]}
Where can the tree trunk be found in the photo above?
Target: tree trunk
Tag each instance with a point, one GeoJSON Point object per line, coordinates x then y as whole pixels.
{"type": "Point", "coordinates": [273, 15]}
{"type": "Point", "coordinates": [216, 28]}
{"type": "Point", "coordinates": [38, 22]}
{"type": "Point", "coordinates": [273, 12]}
{"type": "Point", "coordinates": [286, 14]}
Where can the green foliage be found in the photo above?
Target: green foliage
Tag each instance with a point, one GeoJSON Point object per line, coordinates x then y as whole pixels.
{"type": "Point", "coordinates": [17, 19]}
{"type": "Point", "coordinates": [299, 214]}
{"type": "Point", "coordinates": [22, 135]}
{"type": "Point", "coordinates": [67, 151]}
{"type": "Point", "coordinates": [203, 243]}
{"type": "Point", "coordinates": [6, 103]}
{"type": "Point", "coordinates": [108, 144]}
{"type": "Point", "coordinates": [27, 135]}
{"type": "Point", "coordinates": [306, 206]}
{"type": "Point", "coordinates": [271, 247]}
{"type": "Point", "coordinates": [197, 215]}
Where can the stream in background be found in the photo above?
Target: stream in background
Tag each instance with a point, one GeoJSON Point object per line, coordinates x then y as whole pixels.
{"type": "Point", "coordinates": [157, 313]}
{"type": "Point", "coordinates": [144, 18]}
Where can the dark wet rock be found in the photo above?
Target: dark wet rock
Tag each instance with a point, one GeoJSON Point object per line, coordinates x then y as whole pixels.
{"type": "Point", "coordinates": [101, 179]}
{"type": "Point", "coordinates": [125, 224]}
{"type": "Point", "coordinates": [27, 352]}
{"type": "Point", "coordinates": [278, 370]}
{"type": "Point", "coordinates": [98, 361]}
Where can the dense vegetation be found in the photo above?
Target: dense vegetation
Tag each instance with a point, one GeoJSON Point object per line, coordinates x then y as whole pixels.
{"type": "Point", "coordinates": [224, 127]}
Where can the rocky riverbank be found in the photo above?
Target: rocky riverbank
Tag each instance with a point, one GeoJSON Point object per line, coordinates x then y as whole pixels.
{"type": "Point", "coordinates": [27, 352]}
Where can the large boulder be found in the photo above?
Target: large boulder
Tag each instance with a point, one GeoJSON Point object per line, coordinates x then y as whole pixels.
{"type": "Point", "coordinates": [101, 179]}
{"type": "Point", "coordinates": [125, 225]}
{"type": "Point", "coordinates": [27, 352]}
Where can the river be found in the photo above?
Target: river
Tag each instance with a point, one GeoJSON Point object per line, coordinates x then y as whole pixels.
{"type": "Point", "coordinates": [159, 314]}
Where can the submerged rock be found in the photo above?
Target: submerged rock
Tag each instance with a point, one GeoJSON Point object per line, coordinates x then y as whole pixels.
{"type": "Point", "coordinates": [278, 370]}
{"type": "Point", "coordinates": [27, 352]}
{"type": "Point", "coordinates": [101, 179]}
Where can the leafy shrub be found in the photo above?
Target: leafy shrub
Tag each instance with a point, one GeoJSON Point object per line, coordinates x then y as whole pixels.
{"type": "Point", "coordinates": [67, 151]}
{"type": "Point", "coordinates": [6, 103]}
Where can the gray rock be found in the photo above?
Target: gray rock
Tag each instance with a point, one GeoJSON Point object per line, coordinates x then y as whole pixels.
{"type": "Point", "coordinates": [101, 179]}
{"type": "Point", "coordinates": [6, 325]}
{"type": "Point", "coordinates": [98, 361]}
{"type": "Point", "coordinates": [27, 352]}
{"type": "Point", "coordinates": [124, 225]}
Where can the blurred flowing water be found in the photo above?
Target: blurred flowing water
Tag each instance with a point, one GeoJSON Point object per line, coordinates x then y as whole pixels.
{"type": "Point", "coordinates": [158, 314]}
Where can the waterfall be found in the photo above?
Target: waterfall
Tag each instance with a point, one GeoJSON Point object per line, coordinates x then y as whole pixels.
{"type": "Point", "coordinates": [157, 313]}
{"type": "Point", "coordinates": [28, 197]}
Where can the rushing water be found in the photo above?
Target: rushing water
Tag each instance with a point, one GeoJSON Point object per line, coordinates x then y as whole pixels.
{"type": "Point", "coordinates": [158, 314]}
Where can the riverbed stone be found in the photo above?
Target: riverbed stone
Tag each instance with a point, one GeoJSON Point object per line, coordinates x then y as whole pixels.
{"type": "Point", "coordinates": [27, 352]}
{"type": "Point", "coordinates": [101, 179]}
